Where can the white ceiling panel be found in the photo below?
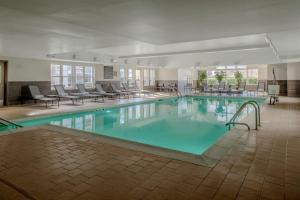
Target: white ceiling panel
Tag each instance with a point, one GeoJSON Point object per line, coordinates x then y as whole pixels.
{"type": "Point", "coordinates": [113, 28]}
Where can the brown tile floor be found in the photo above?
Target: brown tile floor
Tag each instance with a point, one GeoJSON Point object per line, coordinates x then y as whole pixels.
{"type": "Point", "coordinates": [50, 165]}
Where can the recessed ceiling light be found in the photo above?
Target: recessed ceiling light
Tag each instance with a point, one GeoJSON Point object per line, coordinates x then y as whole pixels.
{"type": "Point", "coordinates": [113, 60]}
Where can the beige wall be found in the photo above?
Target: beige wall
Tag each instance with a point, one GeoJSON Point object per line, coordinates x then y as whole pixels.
{"type": "Point", "coordinates": [293, 71]}
{"type": "Point", "coordinates": [280, 71]}
{"type": "Point", "coordinates": [167, 74]}
{"type": "Point", "coordinates": [20, 69]}
{"type": "Point", "coordinates": [23, 69]}
{"type": "Point", "coordinates": [285, 71]}
{"type": "Point", "coordinates": [262, 71]}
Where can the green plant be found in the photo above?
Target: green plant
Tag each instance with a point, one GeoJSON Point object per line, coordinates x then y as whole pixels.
{"type": "Point", "coordinates": [252, 80]}
{"type": "Point", "coordinates": [239, 77]}
{"type": "Point", "coordinates": [220, 76]}
{"type": "Point", "coordinates": [231, 81]}
{"type": "Point", "coordinates": [201, 77]}
{"type": "Point", "coordinates": [212, 81]}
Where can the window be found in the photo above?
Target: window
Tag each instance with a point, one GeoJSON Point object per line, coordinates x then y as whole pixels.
{"type": "Point", "coordinates": [69, 76]}
{"type": "Point", "coordinates": [79, 74]}
{"type": "Point", "coordinates": [89, 76]}
{"type": "Point", "coordinates": [146, 77]}
{"type": "Point", "coordinates": [149, 77]}
{"type": "Point", "coordinates": [55, 75]}
{"type": "Point", "coordinates": [138, 77]}
{"type": "Point", "coordinates": [130, 77]}
{"type": "Point", "coordinates": [249, 75]}
{"type": "Point", "coordinates": [252, 76]}
{"type": "Point", "coordinates": [152, 77]}
{"type": "Point", "coordinates": [122, 75]}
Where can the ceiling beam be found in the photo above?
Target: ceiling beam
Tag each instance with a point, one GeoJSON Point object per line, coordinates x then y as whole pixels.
{"type": "Point", "coordinates": [241, 48]}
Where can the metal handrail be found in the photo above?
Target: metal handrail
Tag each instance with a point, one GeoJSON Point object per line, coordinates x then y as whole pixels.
{"type": "Point", "coordinates": [240, 123]}
{"type": "Point", "coordinates": [178, 93]}
{"type": "Point", "coordinates": [9, 122]}
{"type": "Point", "coordinates": [258, 108]}
{"type": "Point", "coordinates": [257, 115]}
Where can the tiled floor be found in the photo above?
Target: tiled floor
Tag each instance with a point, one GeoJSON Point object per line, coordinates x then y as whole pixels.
{"type": "Point", "coordinates": [32, 110]}
{"type": "Point", "coordinates": [44, 165]}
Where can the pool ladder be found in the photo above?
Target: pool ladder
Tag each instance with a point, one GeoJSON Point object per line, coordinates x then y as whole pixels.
{"type": "Point", "coordinates": [178, 93]}
{"type": "Point", "coordinates": [8, 123]}
{"type": "Point", "coordinates": [257, 115]}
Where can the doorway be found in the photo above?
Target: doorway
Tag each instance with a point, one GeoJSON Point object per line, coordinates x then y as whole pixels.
{"type": "Point", "coordinates": [3, 83]}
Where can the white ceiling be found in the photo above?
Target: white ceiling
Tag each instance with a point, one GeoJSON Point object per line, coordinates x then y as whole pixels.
{"type": "Point", "coordinates": [171, 33]}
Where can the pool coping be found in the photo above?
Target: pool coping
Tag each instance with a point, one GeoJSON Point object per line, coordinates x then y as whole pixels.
{"type": "Point", "coordinates": [104, 107]}
{"type": "Point", "coordinates": [209, 158]}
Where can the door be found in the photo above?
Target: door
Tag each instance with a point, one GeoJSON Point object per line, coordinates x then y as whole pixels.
{"type": "Point", "coordinates": [184, 77]}
{"type": "Point", "coordinates": [1, 83]}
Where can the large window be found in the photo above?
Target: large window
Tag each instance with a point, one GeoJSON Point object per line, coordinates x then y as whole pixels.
{"type": "Point", "coordinates": [69, 76]}
{"type": "Point", "coordinates": [250, 75]}
{"type": "Point", "coordinates": [67, 79]}
{"type": "Point", "coordinates": [146, 77]}
{"type": "Point", "coordinates": [89, 76]}
{"type": "Point", "coordinates": [138, 77]}
{"type": "Point", "coordinates": [55, 74]}
{"type": "Point", "coordinates": [79, 74]}
{"type": "Point", "coordinates": [130, 77]}
{"type": "Point", "coordinates": [122, 75]}
{"type": "Point", "coordinates": [149, 77]}
{"type": "Point", "coordinates": [152, 77]}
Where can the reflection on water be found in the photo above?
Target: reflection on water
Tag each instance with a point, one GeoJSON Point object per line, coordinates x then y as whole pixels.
{"type": "Point", "coordinates": [189, 124]}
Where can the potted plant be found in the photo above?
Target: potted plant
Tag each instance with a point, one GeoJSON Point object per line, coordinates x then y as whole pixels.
{"type": "Point", "coordinates": [238, 77]}
{"type": "Point", "coordinates": [201, 77]}
{"type": "Point", "coordinates": [220, 76]}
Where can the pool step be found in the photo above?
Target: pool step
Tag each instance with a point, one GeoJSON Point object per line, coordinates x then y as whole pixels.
{"type": "Point", "coordinates": [6, 124]}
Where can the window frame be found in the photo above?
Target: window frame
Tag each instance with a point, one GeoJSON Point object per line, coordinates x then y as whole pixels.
{"type": "Point", "coordinates": [231, 69]}
{"type": "Point", "coordinates": [149, 77]}
{"type": "Point", "coordinates": [73, 76]}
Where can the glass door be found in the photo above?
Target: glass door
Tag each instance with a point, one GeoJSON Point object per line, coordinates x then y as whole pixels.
{"type": "Point", "coordinates": [138, 78]}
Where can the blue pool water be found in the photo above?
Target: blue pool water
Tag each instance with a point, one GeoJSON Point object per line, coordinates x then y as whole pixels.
{"type": "Point", "coordinates": [189, 124]}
